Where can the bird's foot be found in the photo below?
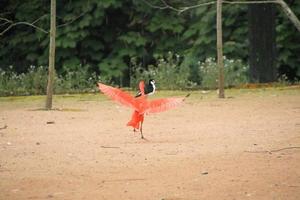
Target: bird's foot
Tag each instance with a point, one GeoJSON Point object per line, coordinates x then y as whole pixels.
{"type": "Point", "coordinates": [144, 139]}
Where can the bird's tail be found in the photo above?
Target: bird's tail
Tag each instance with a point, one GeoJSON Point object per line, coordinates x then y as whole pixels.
{"type": "Point", "coordinates": [136, 118]}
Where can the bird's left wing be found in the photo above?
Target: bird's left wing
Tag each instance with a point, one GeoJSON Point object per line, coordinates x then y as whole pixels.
{"type": "Point", "coordinates": [161, 105]}
{"type": "Point", "coordinates": [118, 95]}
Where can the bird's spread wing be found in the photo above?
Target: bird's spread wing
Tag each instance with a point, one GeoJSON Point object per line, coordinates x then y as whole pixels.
{"type": "Point", "coordinates": [118, 95]}
{"type": "Point", "coordinates": [161, 105]}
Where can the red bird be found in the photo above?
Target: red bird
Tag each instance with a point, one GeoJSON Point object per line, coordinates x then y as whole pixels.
{"type": "Point", "coordinates": [140, 105]}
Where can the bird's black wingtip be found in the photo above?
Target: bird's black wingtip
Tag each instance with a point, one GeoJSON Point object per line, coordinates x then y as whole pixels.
{"type": "Point", "coordinates": [189, 94]}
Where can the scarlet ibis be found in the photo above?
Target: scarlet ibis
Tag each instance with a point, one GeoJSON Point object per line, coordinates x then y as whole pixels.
{"type": "Point", "coordinates": [149, 88]}
{"type": "Point", "coordinates": [140, 105]}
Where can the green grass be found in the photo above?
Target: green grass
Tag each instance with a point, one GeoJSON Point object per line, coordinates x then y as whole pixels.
{"type": "Point", "coordinates": [195, 94]}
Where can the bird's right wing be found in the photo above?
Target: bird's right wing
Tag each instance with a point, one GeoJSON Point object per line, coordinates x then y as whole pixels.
{"type": "Point", "coordinates": [118, 95]}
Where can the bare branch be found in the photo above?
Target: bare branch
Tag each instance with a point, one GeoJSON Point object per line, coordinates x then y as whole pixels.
{"type": "Point", "coordinates": [179, 10]}
{"type": "Point", "coordinates": [272, 151]}
{"type": "Point", "coordinates": [6, 20]}
{"type": "Point", "coordinates": [4, 23]}
{"type": "Point", "coordinates": [227, 2]}
{"type": "Point", "coordinates": [71, 21]}
{"type": "Point", "coordinates": [250, 2]}
{"type": "Point", "coordinates": [170, 7]}
{"type": "Point", "coordinates": [183, 9]}
{"type": "Point", "coordinates": [12, 24]}
{"type": "Point", "coordinates": [38, 19]}
{"type": "Point", "coordinates": [32, 24]}
{"type": "Point", "coordinates": [198, 5]}
{"type": "Point", "coordinates": [154, 6]}
{"type": "Point", "coordinates": [289, 13]}
{"type": "Point", "coordinates": [24, 23]}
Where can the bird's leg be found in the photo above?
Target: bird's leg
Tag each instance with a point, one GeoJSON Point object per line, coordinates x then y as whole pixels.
{"type": "Point", "coordinates": [141, 129]}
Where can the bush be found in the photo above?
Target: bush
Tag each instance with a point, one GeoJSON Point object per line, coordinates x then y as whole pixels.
{"type": "Point", "coordinates": [167, 72]}
{"type": "Point", "coordinates": [34, 81]}
{"type": "Point", "coordinates": [170, 72]}
{"type": "Point", "coordinates": [77, 79]}
{"type": "Point", "coordinates": [235, 72]}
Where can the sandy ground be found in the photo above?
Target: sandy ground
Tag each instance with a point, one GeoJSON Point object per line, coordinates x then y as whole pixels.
{"type": "Point", "coordinates": [244, 147]}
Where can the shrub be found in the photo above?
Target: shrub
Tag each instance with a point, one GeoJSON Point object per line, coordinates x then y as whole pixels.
{"type": "Point", "coordinates": [77, 79]}
{"type": "Point", "coordinates": [167, 72]}
{"type": "Point", "coordinates": [235, 72]}
{"type": "Point", "coordinates": [34, 81]}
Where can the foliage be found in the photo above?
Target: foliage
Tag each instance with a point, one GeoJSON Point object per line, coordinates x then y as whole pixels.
{"type": "Point", "coordinates": [200, 35]}
{"type": "Point", "coordinates": [167, 72]}
{"type": "Point", "coordinates": [288, 45]}
{"type": "Point", "coordinates": [33, 82]}
{"type": "Point", "coordinates": [79, 79]}
{"type": "Point", "coordinates": [105, 35]}
{"type": "Point", "coordinates": [235, 72]}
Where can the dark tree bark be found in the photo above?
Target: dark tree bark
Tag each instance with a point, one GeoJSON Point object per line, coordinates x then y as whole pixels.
{"type": "Point", "coordinates": [262, 39]}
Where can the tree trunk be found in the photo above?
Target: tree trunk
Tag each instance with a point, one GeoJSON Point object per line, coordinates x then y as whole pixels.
{"type": "Point", "coordinates": [220, 49]}
{"type": "Point", "coordinates": [262, 49]}
{"type": "Point", "coordinates": [51, 68]}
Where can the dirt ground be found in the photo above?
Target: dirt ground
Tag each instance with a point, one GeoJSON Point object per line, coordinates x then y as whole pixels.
{"type": "Point", "coordinates": [246, 146]}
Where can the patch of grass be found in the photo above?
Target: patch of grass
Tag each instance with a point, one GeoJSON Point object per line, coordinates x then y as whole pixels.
{"type": "Point", "coordinates": [195, 95]}
{"type": "Point", "coordinates": [264, 91]}
{"type": "Point", "coordinates": [21, 98]}
{"type": "Point", "coordinates": [61, 109]}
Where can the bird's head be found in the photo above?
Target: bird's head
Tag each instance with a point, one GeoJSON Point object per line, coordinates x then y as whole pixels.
{"type": "Point", "coordinates": [152, 81]}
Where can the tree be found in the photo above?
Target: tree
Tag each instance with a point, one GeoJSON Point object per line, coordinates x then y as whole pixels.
{"type": "Point", "coordinates": [106, 34]}
{"type": "Point", "coordinates": [220, 49]}
{"type": "Point", "coordinates": [51, 68]}
{"type": "Point", "coordinates": [262, 47]}
{"type": "Point", "coordinates": [257, 59]}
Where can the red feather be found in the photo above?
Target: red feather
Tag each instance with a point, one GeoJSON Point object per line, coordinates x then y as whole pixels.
{"type": "Point", "coordinates": [161, 105]}
{"type": "Point", "coordinates": [140, 104]}
{"type": "Point", "coordinates": [118, 95]}
{"type": "Point", "coordinates": [136, 118]}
